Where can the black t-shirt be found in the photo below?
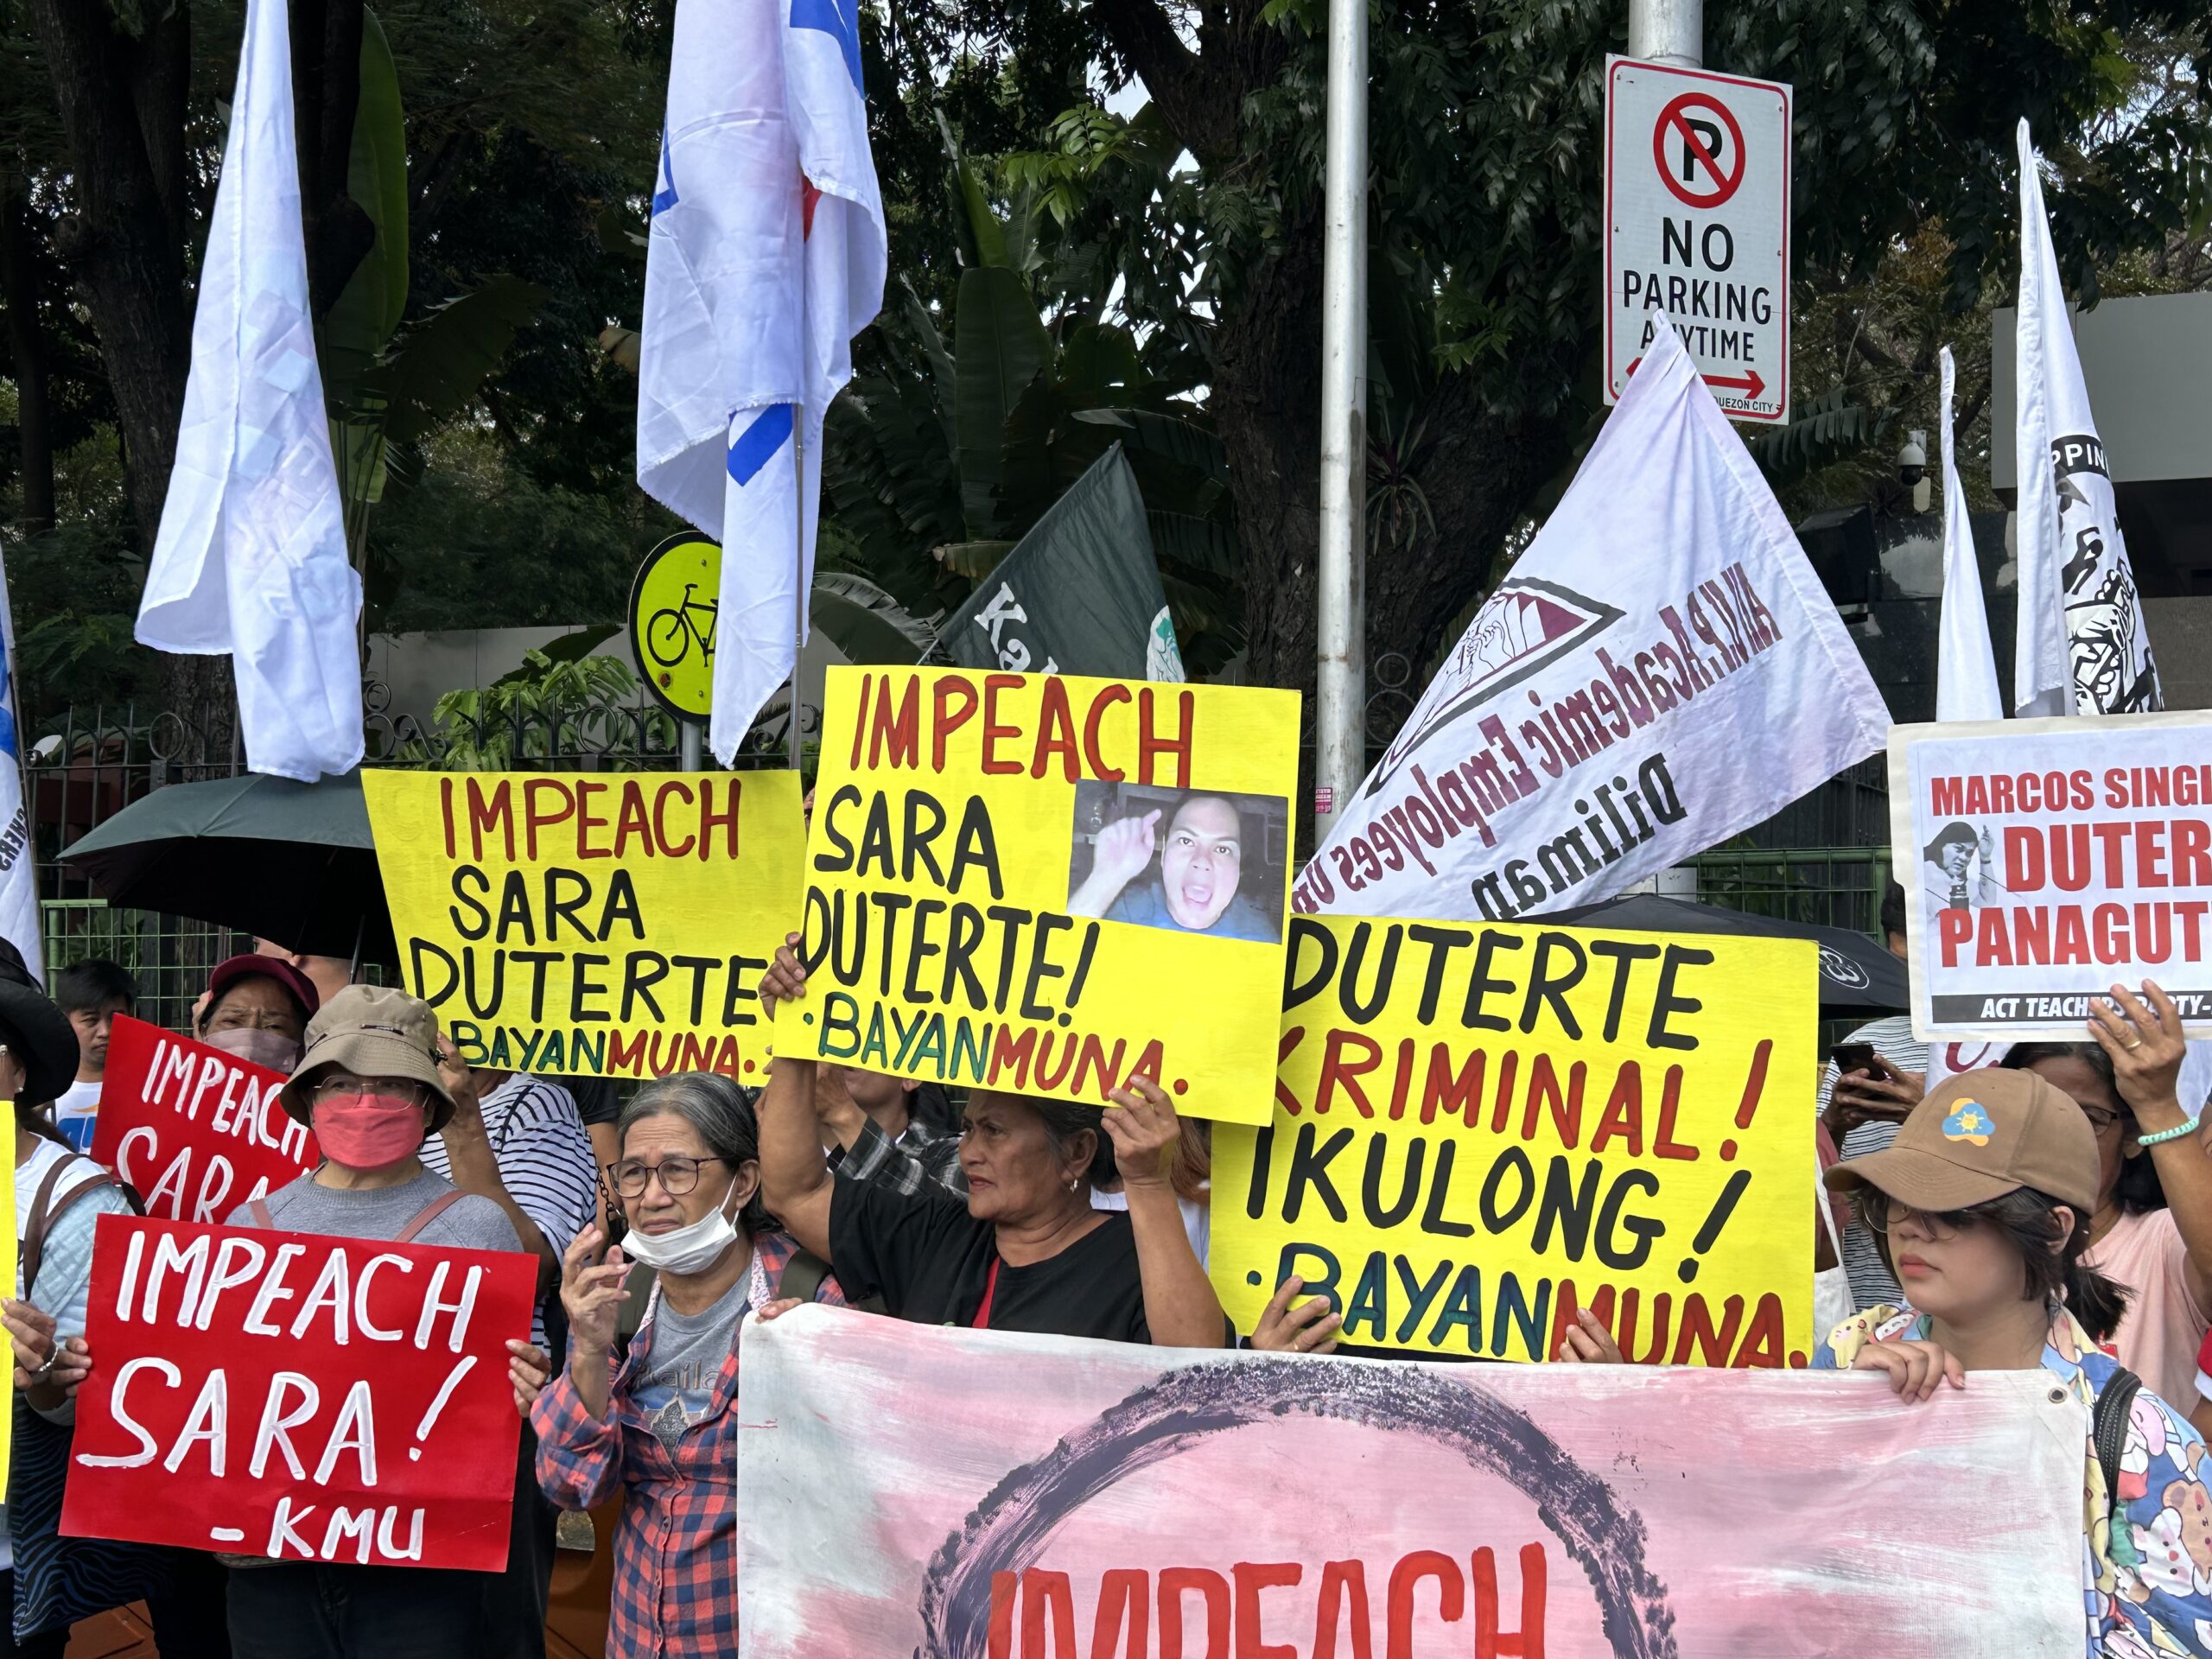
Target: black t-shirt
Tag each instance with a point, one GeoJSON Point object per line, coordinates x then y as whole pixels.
{"type": "Point", "coordinates": [596, 1100]}
{"type": "Point", "coordinates": [928, 1259]}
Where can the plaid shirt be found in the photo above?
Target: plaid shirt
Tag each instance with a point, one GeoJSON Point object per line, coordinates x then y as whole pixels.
{"type": "Point", "coordinates": [675, 1591]}
{"type": "Point", "coordinates": [919, 1155]}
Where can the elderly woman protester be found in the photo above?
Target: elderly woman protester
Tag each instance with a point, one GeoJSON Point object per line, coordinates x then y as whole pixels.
{"type": "Point", "coordinates": [660, 1424]}
{"type": "Point", "coordinates": [257, 1008]}
{"type": "Point", "coordinates": [51, 1581]}
{"type": "Point", "coordinates": [1026, 1250]}
{"type": "Point", "coordinates": [370, 1085]}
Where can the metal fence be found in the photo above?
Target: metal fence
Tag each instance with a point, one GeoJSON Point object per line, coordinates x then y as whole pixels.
{"type": "Point", "coordinates": [1831, 887]}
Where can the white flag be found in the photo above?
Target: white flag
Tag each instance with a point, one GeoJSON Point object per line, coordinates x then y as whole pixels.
{"type": "Point", "coordinates": [1966, 666]}
{"type": "Point", "coordinates": [250, 560]}
{"type": "Point", "coordinates": [2081, 647]}
{"type": "Point", "coordinates": [19, 914]}
{"type": "Point", "coordinates": [1660, 671]}
{"type": "Point", "coordinates": [766, 257]}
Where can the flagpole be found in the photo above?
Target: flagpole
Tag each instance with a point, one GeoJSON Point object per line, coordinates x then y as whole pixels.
{"type": "Point", "coordinates": [1339, 723]}
{"type": "Point", "coordinates": [798, 570]}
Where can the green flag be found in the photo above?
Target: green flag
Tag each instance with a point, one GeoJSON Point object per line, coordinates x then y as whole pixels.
{"type": "Point", "coordinates": [1079, 594]}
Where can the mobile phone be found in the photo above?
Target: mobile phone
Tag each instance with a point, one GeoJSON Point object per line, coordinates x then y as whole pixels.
{"type": "Point", "coordinates": [1854, 1057]}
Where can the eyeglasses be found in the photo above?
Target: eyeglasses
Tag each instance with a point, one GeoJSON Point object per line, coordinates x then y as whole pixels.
{"type": "Point", "coordinates": [2100, 1119]}
{"type": "Point", "coordinates": [337, 1088]}
{"type": "Point", "coordinates": [678, 1175]}
{"type": "Point", "coordinates": [1881, 1212]}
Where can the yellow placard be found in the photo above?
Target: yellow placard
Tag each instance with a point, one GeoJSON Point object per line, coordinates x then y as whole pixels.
{"type": "Point", "coordinates": [614, 925]}
{"type": "Point", "coordinates": [1045, 884]}
{"type": "Point", "coordinates": [8, 1270]}
{"type": "Point", "coordinates": [1479, 1129]}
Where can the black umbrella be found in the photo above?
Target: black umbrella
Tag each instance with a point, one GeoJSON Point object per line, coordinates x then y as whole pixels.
{"type": "Point", "coordinates": [1858, 976]}
{"type": "Point", "coordinates": [291, 863]}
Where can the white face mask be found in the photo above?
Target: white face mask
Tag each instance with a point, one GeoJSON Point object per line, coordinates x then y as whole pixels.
{"type": "Point", "coordinates": [690, 1248]}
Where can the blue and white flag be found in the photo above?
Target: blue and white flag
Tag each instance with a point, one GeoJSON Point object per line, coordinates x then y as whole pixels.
{"type": "Point", "coordinates": [19, 917]}
{"type": "Point", "coordinates": [1966, 666]}
{"type": "Point", "coordinates": [250, 561]}
{"type": "Point", "coordinates": [767, 256]}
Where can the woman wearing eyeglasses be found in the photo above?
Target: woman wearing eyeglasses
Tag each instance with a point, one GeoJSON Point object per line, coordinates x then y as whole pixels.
{"type": "Point", "coordinates": [369, 1086]}
{"type": "Point", "coordinates": [660, 1422]}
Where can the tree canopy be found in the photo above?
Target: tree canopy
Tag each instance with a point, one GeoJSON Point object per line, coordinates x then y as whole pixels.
{"type": "Point", "coordinates": [1154, 165]}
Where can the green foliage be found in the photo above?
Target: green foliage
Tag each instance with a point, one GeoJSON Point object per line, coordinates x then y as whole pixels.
{"type": "Point", "coordinates": [478, 728]}
{"type": "Point", "coordinates": [369, 308]}
{"type": "Point", "coordinates": [938, 460]}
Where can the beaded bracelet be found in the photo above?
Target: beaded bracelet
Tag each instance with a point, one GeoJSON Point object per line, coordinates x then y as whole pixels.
{"type": "Point", "coordinates": [2174, 1134]}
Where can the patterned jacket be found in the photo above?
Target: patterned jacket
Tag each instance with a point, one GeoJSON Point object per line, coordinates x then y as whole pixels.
{"type": "Point", "coordinates": [675, 1592]}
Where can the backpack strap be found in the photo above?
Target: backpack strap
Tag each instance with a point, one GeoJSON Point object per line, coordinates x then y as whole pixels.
{"type": "Point", "coordinates": [2108, 1426]}
{"type": "Point", "coordinates": [45, 1210]}
{"type": "Point", "coordinates": [428, 1213]}
{"type": "Point", "coordinates": [259, 1210]}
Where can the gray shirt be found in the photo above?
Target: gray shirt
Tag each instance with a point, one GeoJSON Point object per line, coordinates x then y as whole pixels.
{"type": "Point", "coordinates": [686, 1361]}
{"type": "Point", "coordinates": [380, 1213]}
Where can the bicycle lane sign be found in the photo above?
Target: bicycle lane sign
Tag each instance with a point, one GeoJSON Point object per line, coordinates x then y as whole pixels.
{"type": "Point", "coordinates": [1697, 225]}
{"type": "Point", "coordinates": [672, 608]}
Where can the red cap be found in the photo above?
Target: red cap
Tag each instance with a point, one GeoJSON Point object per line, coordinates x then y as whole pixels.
{"type": "Point", "coordinates": [228, 974]}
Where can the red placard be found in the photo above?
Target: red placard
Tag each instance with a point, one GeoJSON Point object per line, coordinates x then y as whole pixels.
{"type": "Point", "coordinates": [193, 1131]}
{"type": "Point", "coordinates": [298, 1396]}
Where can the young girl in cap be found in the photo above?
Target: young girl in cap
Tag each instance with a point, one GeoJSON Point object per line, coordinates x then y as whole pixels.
{"type": "Point", "coordinates": [1982, 1206]}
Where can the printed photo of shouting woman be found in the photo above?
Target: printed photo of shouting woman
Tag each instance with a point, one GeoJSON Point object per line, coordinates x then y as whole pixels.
{"type": "Point", "coordinates": [1189, 860]}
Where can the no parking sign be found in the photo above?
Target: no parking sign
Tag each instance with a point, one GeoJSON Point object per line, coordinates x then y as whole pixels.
{"type": "Point", "coordinates": [1697, 225]}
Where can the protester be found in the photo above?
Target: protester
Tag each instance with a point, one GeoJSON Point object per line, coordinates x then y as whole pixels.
{"type": "Point", "coordinates": [1982, 1204]}
{"type": "Point", "coordinates": [1861, 1108]}
{"type": "Point", "coordinates": [1984, 1201]}
{"type": "Point", "coordinates": [257, 1009]}
{"type": "Point", "coordinates": [1201, 866]}
{"type": "Point", "coordinates": [2152, 1230]}
{"type": "Point", "coordinates": [50, 1581]}
{"type": "Point", "coordinates": [873, 1135]}
{"type": "Point", "coordinates": [660, 1425]}
{"type": "Point", "coordinates": [1025, 1251]}
{"type": "Point", "coordinates": [369, 1086]}
{"type": "Point", "coordinates": [516, 1139]}
{"type": "Point", "coordinates": [92, 993]}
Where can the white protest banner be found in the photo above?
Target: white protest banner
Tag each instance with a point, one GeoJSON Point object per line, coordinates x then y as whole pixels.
{"type": "Point", "coordinates": [1660, 671]}
{"type": "Point", "coordinates": [2079, 646]}
{"type": "Point", "coordinates": [953, 1494]}
{"type": "Point", "coordinates": [2044, 861]}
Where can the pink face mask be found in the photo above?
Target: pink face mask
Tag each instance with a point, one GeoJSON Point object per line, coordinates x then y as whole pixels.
{"type": "Point", "coordinates": [368, 1131]}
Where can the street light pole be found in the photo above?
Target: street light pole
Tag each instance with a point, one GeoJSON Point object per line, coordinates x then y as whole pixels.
{"type": "Point", "coordinates": [1339, 724]}
{"type": "Point", "coordinates": [1668, 31]}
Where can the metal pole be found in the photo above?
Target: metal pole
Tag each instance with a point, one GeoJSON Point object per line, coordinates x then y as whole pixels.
{"type": "Point", "coordinates": [798, 574]}
{"type": "Point", "coordinates": [1339, 726]}
{"type": "Point", "coordinates": [1668, 31]}
{"type": "Point", "coordinates": [688, 746]}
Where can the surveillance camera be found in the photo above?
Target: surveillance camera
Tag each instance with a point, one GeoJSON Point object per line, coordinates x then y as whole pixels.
{"type": "Point", "coordinates": [1912, 459]}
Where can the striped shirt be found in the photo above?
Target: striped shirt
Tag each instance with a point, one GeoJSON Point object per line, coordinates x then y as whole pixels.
{"type": "Point", "coordinates": [544, 1157]}
{"type": "Point", "coordinates": [1871, 1283]}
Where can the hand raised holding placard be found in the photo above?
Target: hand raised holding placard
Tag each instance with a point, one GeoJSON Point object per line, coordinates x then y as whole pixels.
{"type": "Point", "coordinates": [1144, 1133]}
{"type": "Point", "coordinates": [2146, 1047]}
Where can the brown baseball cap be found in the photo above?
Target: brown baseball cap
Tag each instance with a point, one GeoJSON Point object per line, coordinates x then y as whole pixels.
{"type": "Point", "coordinates": [1982, 1135]}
